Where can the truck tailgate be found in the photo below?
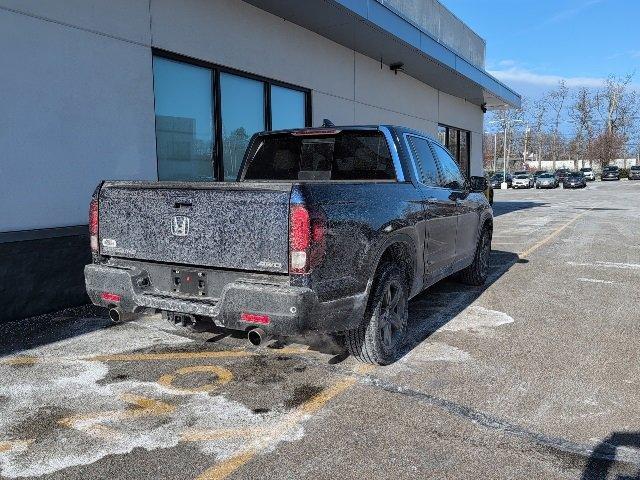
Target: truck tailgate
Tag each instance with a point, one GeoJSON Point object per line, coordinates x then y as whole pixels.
{"type": "Point", "coordinates": [236, 226]}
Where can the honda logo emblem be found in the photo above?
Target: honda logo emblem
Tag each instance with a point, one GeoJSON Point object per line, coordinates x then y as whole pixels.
{"type": "Point", "coordinates": [180, 226]}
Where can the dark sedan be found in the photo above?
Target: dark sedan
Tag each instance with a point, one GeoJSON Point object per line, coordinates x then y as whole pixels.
{"type": "Point", "coordinates": [498, 178]}
{"type": "Point", "coordinates": [574, 180]}
{"type": "Point", "coordinates": [561, 173]}
{"type": "Point", "coordinates": [610, 172]}
{"type": "Point", "coordinates": [634, 173]}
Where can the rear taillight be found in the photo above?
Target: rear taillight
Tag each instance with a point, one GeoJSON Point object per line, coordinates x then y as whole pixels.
{"type": "Point", "coordinates": [110, 297]}
{"type": "Point", "coordinates": [306, 239]}
{"type": "Point", "coordinates": [255, 318]}
{"type": "Point", "coordinates": [93, 224]}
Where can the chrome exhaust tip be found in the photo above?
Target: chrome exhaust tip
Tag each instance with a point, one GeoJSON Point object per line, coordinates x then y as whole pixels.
{"type": "Point", "coordinates": [256, 337]}
{"type": "Point", "coordinates": [117, 315]}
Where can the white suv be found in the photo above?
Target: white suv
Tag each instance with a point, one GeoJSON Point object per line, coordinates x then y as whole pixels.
{"type": "Point", "coordinates": [588, 173]}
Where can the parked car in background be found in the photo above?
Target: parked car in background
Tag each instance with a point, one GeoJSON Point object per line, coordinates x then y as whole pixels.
{"type": "Point", "coordinates": [537, 173]}
{"type": "Point", "coordinates": [574, 180]}
{"type": "Point", "coordinates": [546, 180]}
{"type": "Point", "coordinates": [524, 172]}
{"type": "Point", "coordinates": [610, 172]}
{"type": "Point", "coordinates": [561, 173]}
{"type": "Point", "coordinates": [634, 173]}
{"type": "Point", "coordinates": [325, 232]}
{"type": "Point", "coordinates": [521, 181]}
{"type": "Point", "coordinates": [588, 173]}
{"type": "Point", "coordinates": [499, 177]}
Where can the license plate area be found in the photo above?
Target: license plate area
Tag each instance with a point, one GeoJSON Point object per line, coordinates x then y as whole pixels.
{"type": "Point", "coordinates": [189, 282]}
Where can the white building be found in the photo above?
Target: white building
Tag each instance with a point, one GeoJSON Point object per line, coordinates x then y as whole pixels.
{"type": "Point", "coordinates": [160, 89]}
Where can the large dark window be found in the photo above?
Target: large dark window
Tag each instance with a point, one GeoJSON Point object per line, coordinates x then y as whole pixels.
{"type": "Point", "coordinates": [184, 121]}
{"type": "Point", "coordinates": [242, 115]}
{"type": "Point", "coordinates": [206, 114]}
{"type": "Point", "coordinates": [458, 142]}
{"type": "Point", "coordinates": [287, 108]}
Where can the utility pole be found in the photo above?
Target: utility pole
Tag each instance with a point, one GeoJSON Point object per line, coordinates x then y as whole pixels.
{"type": "Point", "coordinates": [504, 163]}
{"type": "Point", "coordinates": [495, 150]}
{"type": "Point", "coordinates": [524, 154]}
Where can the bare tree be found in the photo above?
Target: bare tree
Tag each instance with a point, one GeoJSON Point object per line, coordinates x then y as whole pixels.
{"type": "Point", "coordinates": [617, 105]}
{"type": "Point", "coordinates": [581, 115]}
{"type": "Point", "coordinates": [556, 100]}
{"type": "Point", "coordinates": [538, 122]}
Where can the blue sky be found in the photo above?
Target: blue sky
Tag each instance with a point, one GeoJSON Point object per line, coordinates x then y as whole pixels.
{"type": "Point", "coordinates": [532, 44]}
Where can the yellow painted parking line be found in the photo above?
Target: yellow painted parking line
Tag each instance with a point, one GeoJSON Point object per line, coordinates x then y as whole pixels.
{"type": "Point", "coordinates": [221, 433]}
{"type": "Point", "coordinates": [223, 376]}
{"type": "Point", "coordinates": [314, 404]}
{"type": "Point", "coordinates": [20, 361]}
{"type": "Point", "coordinates": [10, 445]}
{"type": "Point", "coordinates": [145, 407]}
{"type": "Point", "coordinates": [152, 357]}
{"type": "Point", "coordinates": [146, 357]}
{"type": "Point", "coordinates": [553, 235]}
{"type": "Point", "coordinates": [227, 467]}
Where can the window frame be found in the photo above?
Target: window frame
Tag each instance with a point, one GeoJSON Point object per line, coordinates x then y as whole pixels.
{"type": "Point", "coordinates": [459, 132]}
{"type": "Point", "coordinates": [465, 179]}
{"type": "Point", "coordinates": [217, 153]}
{"type": "Point", "coordinates": [414, 162]}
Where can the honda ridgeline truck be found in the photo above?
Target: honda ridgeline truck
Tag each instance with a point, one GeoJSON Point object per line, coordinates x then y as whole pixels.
{"type": "Point", "coordinates": [327, 230]}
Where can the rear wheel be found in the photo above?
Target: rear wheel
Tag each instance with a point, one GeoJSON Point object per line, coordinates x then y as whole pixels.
{"type": "Point", "coordinates": [477, 272]}
{"type": "Point", "coordinates": [379, 338]}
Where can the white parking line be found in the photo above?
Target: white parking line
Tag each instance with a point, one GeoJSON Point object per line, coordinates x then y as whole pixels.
{"type": "Point", "coordinates": [595, 280]}
{"type": "Point", "coordinates": [624, 266]}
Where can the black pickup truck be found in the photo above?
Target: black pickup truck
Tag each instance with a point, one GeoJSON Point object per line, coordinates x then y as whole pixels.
{"type": "Point", "coordinates": [327, 230]}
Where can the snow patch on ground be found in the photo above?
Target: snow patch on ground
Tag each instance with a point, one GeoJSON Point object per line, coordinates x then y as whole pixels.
{"type": "Point", "coordinates": [438, 352]}
{"type": "Point", "coordinates": [476, 319]}
{"type": "Point", "coordinates": [46, 392]}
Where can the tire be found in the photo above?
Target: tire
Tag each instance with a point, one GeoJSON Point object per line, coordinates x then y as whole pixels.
{"type": "Point", "coordinates": [476, 273]}
{"type": "Point", "coordinates": [379, 338]}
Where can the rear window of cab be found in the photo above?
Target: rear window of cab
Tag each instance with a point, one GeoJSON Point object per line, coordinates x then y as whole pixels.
{"type": "Point", "coordinates": [321, 155]}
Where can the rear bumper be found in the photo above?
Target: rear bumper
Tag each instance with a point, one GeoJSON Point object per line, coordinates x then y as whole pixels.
{"type": "Point", "coordinates": [291, 310]}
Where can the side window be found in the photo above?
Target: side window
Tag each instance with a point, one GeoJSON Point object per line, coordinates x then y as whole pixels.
{"type": "Point", "coordinates": [425, 163]}
{"type": "Point", "coordinates": [451, 176]}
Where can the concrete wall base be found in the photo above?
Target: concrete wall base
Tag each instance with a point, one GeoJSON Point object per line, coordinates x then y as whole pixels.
{"type": "Point", "coordinates": [42, 276]}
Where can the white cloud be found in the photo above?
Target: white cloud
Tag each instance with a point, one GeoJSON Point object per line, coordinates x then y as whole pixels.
{"type": "Point", "coordinates": [572, 12]}
{"type": "Point", "coordinates": [521, 75]}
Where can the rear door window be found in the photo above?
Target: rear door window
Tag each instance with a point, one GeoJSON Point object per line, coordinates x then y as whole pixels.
{"type": "Point", "coordinates": [452, 177]}
{"type": "Point", "coordinates": [425, 162]}
{"type": "Point", "coordinates": [339, 155]}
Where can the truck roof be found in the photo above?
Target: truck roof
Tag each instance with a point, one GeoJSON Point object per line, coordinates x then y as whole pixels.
{"type": "Point", "coordinates": [396, 128]}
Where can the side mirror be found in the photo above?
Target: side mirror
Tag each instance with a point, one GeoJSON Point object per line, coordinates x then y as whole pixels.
{"type": "Point", "coordinates": [478, 184]}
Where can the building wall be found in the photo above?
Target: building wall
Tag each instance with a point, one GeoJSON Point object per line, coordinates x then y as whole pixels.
{"type": "Point", "coordinates": [78, 103]}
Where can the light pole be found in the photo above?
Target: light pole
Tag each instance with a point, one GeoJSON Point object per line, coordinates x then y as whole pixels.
{"type": "Point", "coordinates": [495, 150]}
{"type": "Point", "coordinates": [524, 154]}
{"type": "Point", "coordinates": [507, 123]}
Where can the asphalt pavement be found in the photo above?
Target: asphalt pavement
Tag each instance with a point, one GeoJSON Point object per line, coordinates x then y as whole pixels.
{"type": "Point", "coordinates": [535, 375]}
